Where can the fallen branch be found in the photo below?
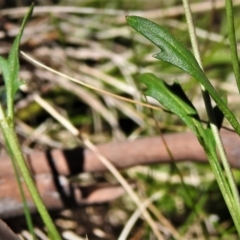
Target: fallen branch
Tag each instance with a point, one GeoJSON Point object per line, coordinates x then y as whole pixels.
{"type": "Point", "coordinates": [51, 169]}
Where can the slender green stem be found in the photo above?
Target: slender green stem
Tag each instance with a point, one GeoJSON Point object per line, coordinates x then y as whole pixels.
{"type": "Point", "coordinates": [231, 189]}
{"type": "Point", "coordinates": [25, 206]}
{"type": "Point", "coordinates": [222, 153]}
{"type": "Point", "coordinates": [232, 41]}
{"type": "Point", "coordinates": [14, 148]}
{"type": "Point", "coordinates": [223, 185]}
{"type": "Point", "coordinates": [26, 209]}
{"type": "Point", "coordinates": [10, 70]}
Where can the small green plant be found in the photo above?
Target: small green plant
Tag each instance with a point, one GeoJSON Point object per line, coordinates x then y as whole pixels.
{"type": "Point", "coordinates": [10, 71]}
{"type": "Point", "coordinates": [173, 98]}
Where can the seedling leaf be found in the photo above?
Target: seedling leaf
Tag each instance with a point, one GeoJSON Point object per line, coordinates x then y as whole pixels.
{"type": "Point", "coordinates": [173, 98]}
{"type": "Point", "coordinates": [11, 72]}
{"type": "Point", "coordinates": [173, 51]}
{"type": "Point", "coordinates": [4, 66]}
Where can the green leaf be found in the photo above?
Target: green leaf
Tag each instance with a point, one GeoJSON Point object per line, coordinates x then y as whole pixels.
{"type": "Point", "coordinates": [11, 79]}
{"type": "Point", "coordinates": [173, 98]}
{"type": "Point", "coordinates": [210, 144]}
{"type": "Point", "coordinates": [4, 66]}
{"type": "Point", "coordinates": [173, 51]}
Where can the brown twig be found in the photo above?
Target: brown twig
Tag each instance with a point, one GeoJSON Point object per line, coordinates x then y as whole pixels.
{"type": "Point", "coordinates": [51, 168]}
{"type": "Point", "coordinates": [6, 232]}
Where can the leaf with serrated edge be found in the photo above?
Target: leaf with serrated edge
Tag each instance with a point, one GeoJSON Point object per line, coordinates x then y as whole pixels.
{"type": "Point", "coordinates": [173, 51]}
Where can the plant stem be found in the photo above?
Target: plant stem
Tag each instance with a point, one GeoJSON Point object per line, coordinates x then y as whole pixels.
{"type": "Point", "coordinates": [233, 203]}
{"type": "Point", "coordinates": [232, 41]}
{"type": "Point", "coordinates": [14, 148]}
{"type": "Point", "coordinates": [25, 206]}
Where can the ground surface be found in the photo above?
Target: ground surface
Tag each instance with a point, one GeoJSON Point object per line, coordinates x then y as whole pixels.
{"type": "Point", "coordinates": [90, 41]}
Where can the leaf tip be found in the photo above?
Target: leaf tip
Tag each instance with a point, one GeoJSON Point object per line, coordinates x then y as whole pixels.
{"type": "Point", "coordinates": [128, 19]}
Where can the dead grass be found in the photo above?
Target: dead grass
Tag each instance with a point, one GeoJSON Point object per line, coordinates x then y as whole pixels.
{"type": "Point", "coordinates": [92, 43]}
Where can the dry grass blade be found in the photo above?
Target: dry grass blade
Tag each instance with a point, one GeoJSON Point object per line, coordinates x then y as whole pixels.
{"type": "Point", "coordinates": [203, 6]}
{"type": "Point", "coordinates": [107, 163]}
{"type": "Point", "coordinates": [6, 233]}
{"type": "Point", "coordinates": [87, 85]}
{"type": "Point", "coordinates": [133, 219]}
{"type": "Point", "coordinates": [88, 98]}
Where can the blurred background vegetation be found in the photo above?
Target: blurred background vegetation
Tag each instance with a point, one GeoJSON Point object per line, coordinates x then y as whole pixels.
{"type": "Point", "coordinates": [90, 40]}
